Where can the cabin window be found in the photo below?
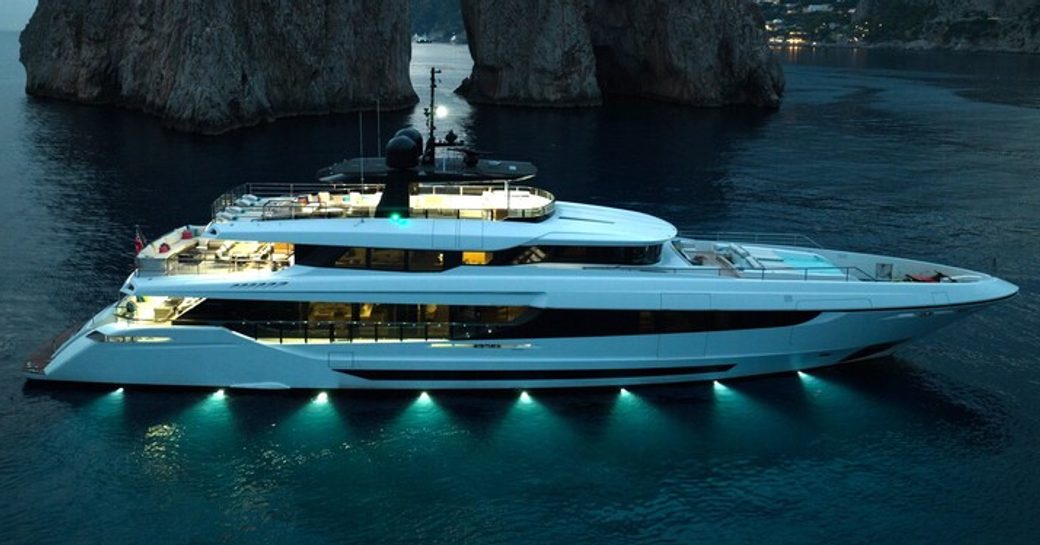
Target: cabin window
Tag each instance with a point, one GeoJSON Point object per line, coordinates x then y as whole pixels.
{"type": "Point", "coordinates": [476, 258]}
{"type": "Point", "coordinates": [387, 259]}
{"type": "Point", "coordinates": [392, 259]}
{"type": "Point", "coordinates": [352, 258]}
{"type": "Point", "coordinates": [425, 261]}
{"type": "Point", "coordinates": [308, 322]}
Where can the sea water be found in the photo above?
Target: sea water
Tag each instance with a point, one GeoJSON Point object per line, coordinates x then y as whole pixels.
{"type": "Point", "coordinates": [932, 156]}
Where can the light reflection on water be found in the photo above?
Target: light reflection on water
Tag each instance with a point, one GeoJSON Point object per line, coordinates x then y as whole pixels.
{"type": "Point", "coordinates": [871, 151]}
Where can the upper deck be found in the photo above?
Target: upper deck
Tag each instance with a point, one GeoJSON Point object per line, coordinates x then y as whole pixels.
{"type": "Point", "coordinates": [494, 201]}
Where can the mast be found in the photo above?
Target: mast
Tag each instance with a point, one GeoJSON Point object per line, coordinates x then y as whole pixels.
{"type": "Point", "coordinates": [430, 155]}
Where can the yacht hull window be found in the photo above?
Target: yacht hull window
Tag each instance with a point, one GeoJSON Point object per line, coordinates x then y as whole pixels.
{"type": "Point", "coordinates": [436, 260]}
{"type": "Point", "coordinates": [353, 321]}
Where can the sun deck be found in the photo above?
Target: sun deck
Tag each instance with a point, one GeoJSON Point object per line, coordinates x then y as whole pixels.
{"type": "Point", "coordinates": [481, 201]}
{"type": "Point", "coordinates": [796, 257]}
{"type": "Point", "coordinates": [185, 251]}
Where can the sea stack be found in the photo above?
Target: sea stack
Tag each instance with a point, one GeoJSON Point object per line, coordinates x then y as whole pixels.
{"type": "Point", "coordinates": [213, 65]}
{"type": "Point", "coordinates": [696, 52]}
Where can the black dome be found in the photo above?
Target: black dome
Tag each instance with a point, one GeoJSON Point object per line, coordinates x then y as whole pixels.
{"type": "Point", "coordinates": [412, 133]}
{"type": "Point", "coordinates": [402, 152]}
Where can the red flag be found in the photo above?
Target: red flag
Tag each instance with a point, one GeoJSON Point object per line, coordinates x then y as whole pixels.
{"type": "Point", "coordinates": [138, 242]}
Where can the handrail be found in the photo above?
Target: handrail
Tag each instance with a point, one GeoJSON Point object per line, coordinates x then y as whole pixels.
{"type": "Point", "coordinates": [782, 239]}
{"type": "Point", "coordinates": [290, 208]}
{"type": "Point", "coordinates": [757, 273]}
{"type": "Point", "coordinates": [328, 331]}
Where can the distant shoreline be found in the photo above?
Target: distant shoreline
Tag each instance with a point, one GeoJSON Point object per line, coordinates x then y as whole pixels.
{"type": "Point", "coordinates": [904, 46]}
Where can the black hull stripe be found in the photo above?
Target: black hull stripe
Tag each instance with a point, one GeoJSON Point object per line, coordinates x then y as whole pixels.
{"type": "Point", "coordinates": [533, 374]}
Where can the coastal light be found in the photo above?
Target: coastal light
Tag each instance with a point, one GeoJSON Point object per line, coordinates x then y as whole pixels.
{"type": "Point", "coordinates": [322, 397]}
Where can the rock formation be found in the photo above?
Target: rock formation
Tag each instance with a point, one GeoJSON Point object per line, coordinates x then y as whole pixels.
{"type": "Point", "coordinates": [566, 52]}
{"type": "Point", "coordinates": [214, 65]}
{"type": "Point", "coordinates": [532, 53]}
{"type": "Point", "coordinates": [993, 25]}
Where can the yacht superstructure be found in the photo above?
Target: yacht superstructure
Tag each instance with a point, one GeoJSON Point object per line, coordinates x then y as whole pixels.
{"type": "Point", "coordinates": [406, 274]}
{"type": "Point", "coordinates": [492, 285]}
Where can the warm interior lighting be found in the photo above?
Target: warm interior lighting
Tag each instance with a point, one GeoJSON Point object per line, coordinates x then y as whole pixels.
{"type": "Point", "coordinates": [476, 258]}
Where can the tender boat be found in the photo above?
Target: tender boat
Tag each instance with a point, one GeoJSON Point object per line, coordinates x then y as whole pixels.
{"type": "Point", "coordinates": [402, 274]}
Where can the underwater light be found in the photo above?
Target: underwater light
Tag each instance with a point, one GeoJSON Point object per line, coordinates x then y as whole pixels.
{"type": "Point", "coordinates": [118, 390]}
{"type": "Point", "coordinates": [424, 397]}
{"type": "Point", "coordinates": [219, 394]}
{"type": "Point", "coordinates": [624, 392]}
{"type": "Point", "coordinates": [322, 397]}
{"type": "Point", "coordinates": [525, 397]}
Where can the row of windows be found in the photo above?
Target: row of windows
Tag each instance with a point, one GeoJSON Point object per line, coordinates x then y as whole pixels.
{"type": "Point", "coordinates": [388, 259]}
{"type": "Point", "coordinates": [364, 320]}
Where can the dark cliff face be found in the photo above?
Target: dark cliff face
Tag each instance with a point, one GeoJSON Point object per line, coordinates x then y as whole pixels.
{"type": "Point", "coordinates": [214, 65]}
{"type": "Point", "coordinates": [698, 52]}
{"type": "Point", "coordinates": [535, 53]}
{"type": "Point", "coordinates": [994, 25]}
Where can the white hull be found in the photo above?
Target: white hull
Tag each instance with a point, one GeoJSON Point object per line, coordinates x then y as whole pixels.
{"type": "Point", "coordinates": [216, 357]}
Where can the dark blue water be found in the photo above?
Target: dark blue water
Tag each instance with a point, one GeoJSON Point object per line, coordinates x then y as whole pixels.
{"type": "Point", "coordinates": [929, 155]}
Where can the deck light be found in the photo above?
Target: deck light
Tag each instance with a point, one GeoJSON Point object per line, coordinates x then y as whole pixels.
{"type": "Point", "coordinates": [219, 394]}
{"type": "Point", "coordinates": [525, 397]}
{"type": "Point", "coordinates": [803, 374]}
{"type": "Point", "coordinates": [624, 392]}
{"type": "Point", "coordinates": [118, 391]}
{"type": "Point", "coordinates": [322, 397]}
{"type": "Point", "coordinates": [424, 397]}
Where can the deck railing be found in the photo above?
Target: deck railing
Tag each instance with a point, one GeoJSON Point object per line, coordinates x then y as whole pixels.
{"type": "Point", "coordinates": [291, 208]}
{"type": "Point", "coordinates": [336, 331]}
{"type": "Point", "coordinates": [780, 239]}
{"type": "Point", "coordinates": [825, 272]}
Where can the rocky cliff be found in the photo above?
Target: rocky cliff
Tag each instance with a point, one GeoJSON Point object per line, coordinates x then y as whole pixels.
{"type": "Point", "coordinates": [994, 25]}
{"type": "Point", "coordinates": [214, 65]}
{"type": "Point", "coordinates": [567, 52]}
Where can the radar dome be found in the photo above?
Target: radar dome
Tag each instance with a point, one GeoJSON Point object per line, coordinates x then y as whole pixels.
{"type": "Point", "coordinates": [412, 133]}
{"type": "Point", "coordinates": [402, 153]}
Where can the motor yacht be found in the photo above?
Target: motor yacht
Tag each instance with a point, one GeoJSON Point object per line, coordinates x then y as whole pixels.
{"type": "Point", "coordinates": [401, 273]}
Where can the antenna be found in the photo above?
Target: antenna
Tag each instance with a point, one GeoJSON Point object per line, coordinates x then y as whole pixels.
{"type": "Point", "coordinates": [361, 143]}
{"type": "Point", "coordinates": [429, 156]}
